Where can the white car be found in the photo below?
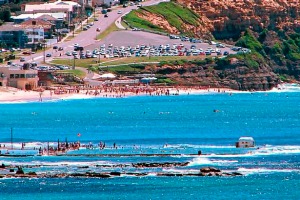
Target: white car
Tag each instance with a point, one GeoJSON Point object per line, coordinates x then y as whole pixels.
{"type": "Point", "coordinates": [76, 45]}
{"type": "Point", "coordinates": [119, 12]}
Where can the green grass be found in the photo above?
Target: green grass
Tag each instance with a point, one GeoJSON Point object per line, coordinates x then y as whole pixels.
{"type": "Point", "coordinates": [78, 62]}
{"type": "Point", "coordinates": [137, 22]}
{"type": "Point", "coordinates": [146, 59]}
{"type": "Point", "coordinates": [124, 69]}
{"type": "Point", "coordinates": [76, 72]}
{"type": "Point", "coordinates": [175, 14]}
{"type": "Point", "coordinates": [130, 64]}
{"type": "Point", "coordinates": [107, 31]}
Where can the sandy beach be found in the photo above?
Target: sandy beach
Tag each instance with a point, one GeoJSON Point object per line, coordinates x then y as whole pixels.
{"type": "Point", "coordinates": [8, 94]}
{"type": "Point", "coordinates": [14, 95]}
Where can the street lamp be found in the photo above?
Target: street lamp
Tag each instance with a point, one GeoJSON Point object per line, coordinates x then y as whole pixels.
{"type": "Point", "coordinates": [44, 46]}
{"type": "Point", "coordinates": [99, 58]}
{"type": "Point", "coordinates": [74, 62]}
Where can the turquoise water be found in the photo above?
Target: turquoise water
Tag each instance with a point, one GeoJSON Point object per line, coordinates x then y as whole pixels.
{"type": "Point", "coordinates": [166, 125]}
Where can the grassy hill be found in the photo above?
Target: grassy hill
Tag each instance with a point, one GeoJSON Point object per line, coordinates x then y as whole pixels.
{"type": "Point", "coordinates": [175, 15]}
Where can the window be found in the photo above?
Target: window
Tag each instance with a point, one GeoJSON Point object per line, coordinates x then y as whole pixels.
{"type": "Point", "coordinates": [12, 76]}
{"type": "Point", "coordinates": [22, 75]}
{"type": "Point", "coordinates": [30, 75]}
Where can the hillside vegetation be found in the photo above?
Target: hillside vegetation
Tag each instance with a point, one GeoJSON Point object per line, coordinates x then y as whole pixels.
{"type": "Point", "coordinates": [167, 17]}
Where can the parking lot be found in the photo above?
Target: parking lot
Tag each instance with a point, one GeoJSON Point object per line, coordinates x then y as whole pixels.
{"type": "Point", "coordinates": [137, 43]}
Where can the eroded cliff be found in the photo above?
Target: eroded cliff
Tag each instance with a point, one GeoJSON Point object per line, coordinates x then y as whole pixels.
{"type": "Point", "coordinates": [228, 18]}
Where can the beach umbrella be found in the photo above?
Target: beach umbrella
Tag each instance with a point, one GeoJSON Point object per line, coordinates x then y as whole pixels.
{"type": "Point", "coordinates": [108, 75]}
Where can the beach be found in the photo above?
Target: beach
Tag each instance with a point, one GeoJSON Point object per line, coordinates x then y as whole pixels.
{"type": "Point", "coordinates": [9, 94]}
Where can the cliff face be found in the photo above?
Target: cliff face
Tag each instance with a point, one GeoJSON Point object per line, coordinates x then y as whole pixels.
{"type": "Point", "coordinates": [228, 18]}
{"type": "Point", "coordinates": [236, 75]}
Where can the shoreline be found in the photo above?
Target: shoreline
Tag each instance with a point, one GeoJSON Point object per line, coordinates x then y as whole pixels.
{"type": "Point", "coordinates": [13, 95]}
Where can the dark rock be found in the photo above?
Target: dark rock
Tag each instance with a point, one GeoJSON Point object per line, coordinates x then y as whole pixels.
{"type": "Point", "coordinates": [20, 171]}
{"type": "Point", "coordinates": [209, 169]}
{"type": "Point", "coordinates": [236, 174]}
{"type": "Point", "coordinates": [83, 167]}
{"type": "Point", "coordinates": [115, 173]}
{"type": "Point", "coordinates": [32, 173]}
{"type": "Point", "coordinates": [155, 165]}
{"type": "Point", "coordinates": [98, 175]}
{"type": "Point", "coordinates": [205, 170]}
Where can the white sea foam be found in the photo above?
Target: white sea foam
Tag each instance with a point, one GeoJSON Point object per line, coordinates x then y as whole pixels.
{"type": "Point", "coordinates": [294, 87]}
{"type": "Point", "coordinates": [184, 171]}
{"type": "Point", "coordinates": [248, 171]}
{"type": "Point", "coordinates": [270, 150]}
{"type": "Point", "coordinates": [206, 161]}
{"type": "Point", "coordinates": [40, 163]}
{"type": "Point", "coordinates": [195, 146]}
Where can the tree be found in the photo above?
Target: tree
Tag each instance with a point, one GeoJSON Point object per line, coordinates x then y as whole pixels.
{"type": "Point", "coordinates": [5, 14]}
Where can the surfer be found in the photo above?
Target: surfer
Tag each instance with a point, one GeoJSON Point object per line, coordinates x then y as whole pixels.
{"type": "Point", "coordinates": [199, 153]}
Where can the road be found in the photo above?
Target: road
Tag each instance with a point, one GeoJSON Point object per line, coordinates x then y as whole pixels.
{"type": "Point", "coordinates": [88, 37]}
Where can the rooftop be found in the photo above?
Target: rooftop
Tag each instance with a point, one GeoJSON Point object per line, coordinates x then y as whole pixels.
{"type": "Point", "coordinates": [39, 23]}
{"type": "Point", "coordinates": [246, 138]}
{"type": "Point", "coordinates": [9, 27]}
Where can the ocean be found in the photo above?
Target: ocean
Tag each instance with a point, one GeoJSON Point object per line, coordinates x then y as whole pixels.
{"type": "Point", "coordinates": [179, 125]}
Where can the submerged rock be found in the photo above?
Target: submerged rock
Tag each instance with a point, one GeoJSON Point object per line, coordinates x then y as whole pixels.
{"type": "Point", "coordinates": [20, 171]}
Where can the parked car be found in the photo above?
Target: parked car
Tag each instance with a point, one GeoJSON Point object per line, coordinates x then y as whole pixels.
{"type": "Point", "coordinates": [60, 49]}
{"type": "Point", "coordinates": [48, 55]}
{"type": "Point", "coordinates": [105, 15]}
{"type": "Point", "coordinates": [22, 59]}
{"type": "Point", "coordinates": [226, 53]}
{"type": "Point", "coordinates": [55, 47]}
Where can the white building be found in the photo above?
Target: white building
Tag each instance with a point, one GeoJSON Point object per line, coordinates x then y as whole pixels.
{"type": "Point", "coordinates": [35, 35]}
{"type": "Point", "coordinates": [245, 142]}
{"type": "Point", "coordinates": [106, 2]}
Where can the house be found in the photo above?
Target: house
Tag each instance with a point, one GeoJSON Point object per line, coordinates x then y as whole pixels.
{"type": "Point", "coordinates": [70, 8]}
{"type": "Point", "coordinates": [37, 30]}
{"type": "Point", "coordinates": [57, 22]}
{"type": "Point", "coordinates": [21, 78]}
{"type": "Point", "coordinates": [13, 36]}
{"type": "Point", "coordinates": [55, 18]}
{"type": "Point", "coordinates": [245, 142]}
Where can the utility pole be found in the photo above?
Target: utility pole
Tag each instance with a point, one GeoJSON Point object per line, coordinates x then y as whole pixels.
{"type": "Point", "coordinates": [44, 45]}
{"type": "Point", "coordinates": [73, 28]}
{"type": "Point", "coordinates": [74, 62]}
{"type": "Point", "coordinates": [99, 59]}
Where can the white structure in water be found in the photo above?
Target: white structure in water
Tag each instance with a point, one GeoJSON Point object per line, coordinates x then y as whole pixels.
{"type": "Point", "coordinates": [245, 142]}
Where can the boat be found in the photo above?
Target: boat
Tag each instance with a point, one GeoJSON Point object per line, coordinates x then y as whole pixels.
{"type": "Point", "coordinates": [245, 142]}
